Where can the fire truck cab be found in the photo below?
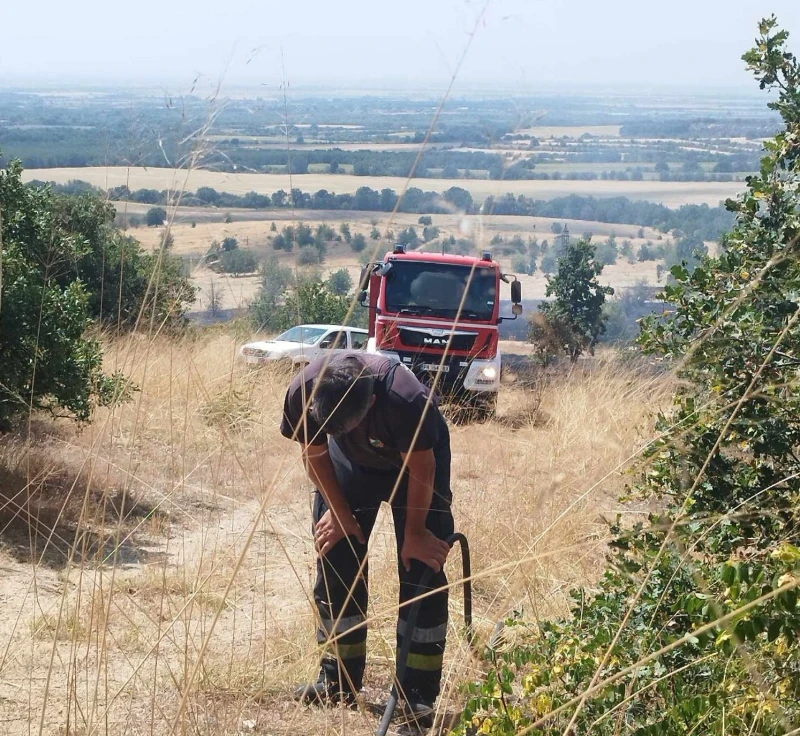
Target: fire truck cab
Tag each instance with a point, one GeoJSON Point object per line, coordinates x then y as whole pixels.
{"type": "Point", "coordinates": [439, 314]}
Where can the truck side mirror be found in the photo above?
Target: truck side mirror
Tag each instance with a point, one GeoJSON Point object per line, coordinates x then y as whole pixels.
{"type": "Point", "coordinates": [516, 293]}
{"type": "Point", "coordinates": [516, 309]}
{"type": "Point", "coordinates": [362, 297]}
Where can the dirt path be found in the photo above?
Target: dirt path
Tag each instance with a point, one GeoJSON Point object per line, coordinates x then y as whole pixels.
{"type": "Point", "coordinates": [110, 649]}
{"type": "Point", "coordinates": [89, 641]}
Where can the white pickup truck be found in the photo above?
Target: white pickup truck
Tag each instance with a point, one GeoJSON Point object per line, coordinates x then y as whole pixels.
{"type": "Point", "coordinates": [301, 344]}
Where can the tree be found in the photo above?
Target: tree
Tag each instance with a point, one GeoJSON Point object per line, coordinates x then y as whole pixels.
{"type": "Point", "coordinates": [230, 243]}
{"type": "Point", "coordinates": [312, 302]}
{"type": "Point", "coordinates": [122, 281]}
{"type": "Point", "coordinates": [358, 243]}
{"type": "Point", "coordinates": [273, 228]}
{"type": "Point", "coordinates": [238, 261]}
{"type": "Point", "coordinates": [646, 252]}
{"type": "Point", "coordinates": [375, 234]}
{"type": "Point", "coordinates": [607, 251]}
{"type": "Point", "coordinates": [430, 232]}
{"type": "Point", "coordinates": [47, 361]}
{"type": "Point", "coordinates": [523, 264]}
{"type": "Point", "coordinates": [459, 198]}
{"type": "Point", "coordinates": [280, 242]}
{"type": "Point", "coordinates": [325, 232]}
{"type": "Point", "coordinates": [548, 264]}
{"type": "Point", "coordinates": [275, 279]}
{"type": "Point", "coordinates": [694, 625]}
{"type": "Point", "coordinates": [408, 237]}
{"type": "Point", "coordinates": [207, 195]}
{"type": "Point", "coordinates": [303, 235]}
{"type": "Point", "coordinates": [155, 217]}
{"type": "Point", "coordinates": [340, 282]}
{"type": "Point", "coordinates": [344, 229]}
{"type": "Point", "coordinates": [577, 310]}
{"type": "Point", "coordinates": [308, 256]}
{"type": "Point", "coordinates": [425, 221]}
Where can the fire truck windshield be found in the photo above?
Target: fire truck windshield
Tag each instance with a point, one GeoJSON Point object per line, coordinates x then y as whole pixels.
{"type": "Point", "coordinates": [438, 289]}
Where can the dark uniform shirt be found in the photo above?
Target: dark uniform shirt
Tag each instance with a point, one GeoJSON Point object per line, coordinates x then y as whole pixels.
{"type": "Point", "coordinates": [401, 405]}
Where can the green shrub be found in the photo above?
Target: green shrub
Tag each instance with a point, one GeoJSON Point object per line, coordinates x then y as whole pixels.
{"type": "Point", "coordinates": [694, 626]}
{"type": "Point", "coordinates": [308, 256]}
{"type": "Point", "coordinates": [275, 279]}
{"type": "Point", "coordinates": [238, 261]}
{"type": "Point", "coordinates": [358, 243]}
{"type": "Point", "coordinates": [46, 360]}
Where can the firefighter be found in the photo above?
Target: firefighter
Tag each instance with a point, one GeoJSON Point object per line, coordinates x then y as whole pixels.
{"type": "Point", "coordinates": [359, 418]}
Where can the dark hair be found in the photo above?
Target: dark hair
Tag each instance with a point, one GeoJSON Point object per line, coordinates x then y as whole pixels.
{"type": "Point", "coordinates": [342, 393]}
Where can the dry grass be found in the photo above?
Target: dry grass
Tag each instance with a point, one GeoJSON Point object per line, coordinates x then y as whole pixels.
{"type": "Point", "coordinates": [672, 194]}
{"type": "Point", "coordinates": [179, 597]}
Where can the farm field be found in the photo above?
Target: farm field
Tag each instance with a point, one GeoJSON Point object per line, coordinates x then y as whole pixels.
{"type": "Point", "coordinates": [236, 292]}
{"type": "Point", "coordinates": [253, 234]}
{"type": "Point", "coordinates": [571, 131]}
{"type": "Point", "coordinates": [249, 225]}
{"type": "Point", "coordinates": [671, 194]}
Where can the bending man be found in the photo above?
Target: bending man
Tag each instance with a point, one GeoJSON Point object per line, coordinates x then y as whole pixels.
{"type": "Point", "coordinates": [359, 420]}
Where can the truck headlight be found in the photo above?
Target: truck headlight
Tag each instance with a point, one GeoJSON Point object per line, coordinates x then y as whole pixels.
{"type": "Point", "coordinates": [489, 372]}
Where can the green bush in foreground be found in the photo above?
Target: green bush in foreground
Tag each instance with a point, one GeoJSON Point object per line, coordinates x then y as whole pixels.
{"type": "Point", "coordinates": [45, 360]}
{"type": "Point", "coordinates": [694, 627]}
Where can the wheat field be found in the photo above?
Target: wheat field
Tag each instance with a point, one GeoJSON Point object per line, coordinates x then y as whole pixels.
{"type": "Point", "coordinates": [157, 563]}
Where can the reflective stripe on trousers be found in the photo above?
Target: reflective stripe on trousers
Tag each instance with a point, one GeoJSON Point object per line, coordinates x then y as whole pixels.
{"type": "Point", "coordinates": [340, 591]}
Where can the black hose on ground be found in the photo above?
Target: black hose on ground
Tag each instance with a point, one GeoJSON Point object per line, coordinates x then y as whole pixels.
{"type": "Point", "coordinates": [411, 623]}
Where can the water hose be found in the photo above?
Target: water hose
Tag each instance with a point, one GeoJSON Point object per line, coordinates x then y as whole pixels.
{"type": "Point", "coordinates": [411, 623]}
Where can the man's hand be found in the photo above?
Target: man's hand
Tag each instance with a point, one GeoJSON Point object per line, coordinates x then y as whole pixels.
{"type": "Point", "coordinates": [331, 530]}
{"type": "Point", "coordinates": [425, 547]}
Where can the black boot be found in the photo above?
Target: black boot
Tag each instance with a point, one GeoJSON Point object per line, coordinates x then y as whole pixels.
{"type": "Point", "coordinates": [324, 692]}
{"type": "Point", "coordinates": [419, 713]}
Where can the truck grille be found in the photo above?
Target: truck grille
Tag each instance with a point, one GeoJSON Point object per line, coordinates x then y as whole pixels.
{"type": "Point", "coordinates": [420, 339]}
{"type": "Point", "coordinates": [449, 379]}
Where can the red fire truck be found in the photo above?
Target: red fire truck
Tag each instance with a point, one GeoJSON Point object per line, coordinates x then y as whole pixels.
{"type": "Point", "coordinates": [440, 315]}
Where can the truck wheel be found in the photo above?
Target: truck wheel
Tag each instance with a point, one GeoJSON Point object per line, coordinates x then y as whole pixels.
{"type": "Point", "coordinates": [484, 407]}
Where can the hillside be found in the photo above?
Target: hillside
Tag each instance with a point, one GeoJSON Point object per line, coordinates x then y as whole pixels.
{"type": "Point", "coordinates": [185, 517]}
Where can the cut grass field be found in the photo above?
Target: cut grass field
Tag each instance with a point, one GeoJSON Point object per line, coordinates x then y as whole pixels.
{"type": "Point", "coordinates": [157, 564]}
{"type": "Point", "coordinates": [209, 223]}
{"type": "Point", "coordinates": [671, 194]}
{"type": "Point", "coordinates": [571, 131]}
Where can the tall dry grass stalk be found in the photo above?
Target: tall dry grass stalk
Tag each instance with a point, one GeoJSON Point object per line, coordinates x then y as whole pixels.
{"type": "Point", "coordinates": [158, 562]}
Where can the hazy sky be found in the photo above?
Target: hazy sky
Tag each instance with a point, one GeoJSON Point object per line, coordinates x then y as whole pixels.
{"type": "Point", "coordinates": [526, 45]}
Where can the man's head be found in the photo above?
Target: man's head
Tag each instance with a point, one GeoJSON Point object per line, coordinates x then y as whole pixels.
{"type": "Point", "coordinates": [343, 394]}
